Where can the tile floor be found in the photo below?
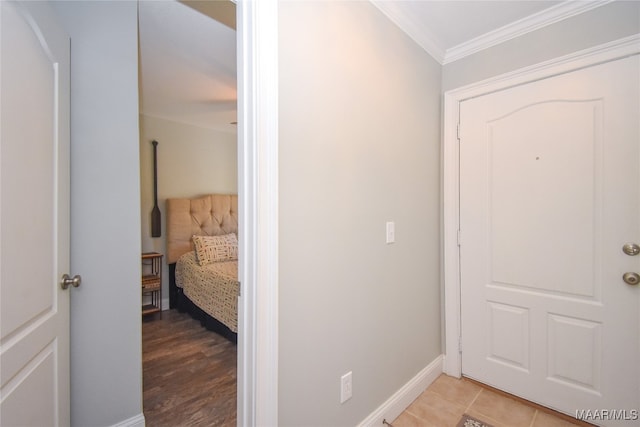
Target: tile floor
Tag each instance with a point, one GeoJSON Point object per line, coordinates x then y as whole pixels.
{"type": "Point", "coordinates": [444, 402]}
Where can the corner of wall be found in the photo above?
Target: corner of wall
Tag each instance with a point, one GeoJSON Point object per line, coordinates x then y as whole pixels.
{"type": "Point", "coordinates": [400, 400]}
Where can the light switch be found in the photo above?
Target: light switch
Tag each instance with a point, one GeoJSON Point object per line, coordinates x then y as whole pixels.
{"type": "Point", "coordinates": [391, 232]}
{"type": "Point", "coordinates": [346, 387]}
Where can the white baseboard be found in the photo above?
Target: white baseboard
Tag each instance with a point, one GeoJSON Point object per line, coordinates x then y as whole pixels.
{"type": "Point", "coordinates": [165, 304]}
{"type": "Point", "coordinates": [401, 399]}
{"type": "Point", "coordinates": [137, 421]}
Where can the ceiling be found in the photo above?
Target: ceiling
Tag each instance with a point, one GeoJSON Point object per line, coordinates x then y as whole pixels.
{"type": "Point", "coordinates": [187, 66]}
{"type": "Point", "coordinates": [188, 60]}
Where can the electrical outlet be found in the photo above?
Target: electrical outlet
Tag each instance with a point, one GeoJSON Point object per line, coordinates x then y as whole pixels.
{"type": "Point", "coordinates": [346, 387]}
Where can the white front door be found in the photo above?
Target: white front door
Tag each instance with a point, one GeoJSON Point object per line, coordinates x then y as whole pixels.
{"type": "Point", "coordinates": [549, 194]}
{"type": "Point", "coordinates": [34, 217]}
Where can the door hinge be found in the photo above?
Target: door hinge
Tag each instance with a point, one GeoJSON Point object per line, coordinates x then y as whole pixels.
{"type": "Point", "coordinates": [459, 238]}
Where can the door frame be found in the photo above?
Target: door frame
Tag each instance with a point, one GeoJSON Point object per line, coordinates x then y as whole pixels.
{"type": "Point", "coordinates": [257, 47]}
{"type": "Point", "coordinates": [617, 49]}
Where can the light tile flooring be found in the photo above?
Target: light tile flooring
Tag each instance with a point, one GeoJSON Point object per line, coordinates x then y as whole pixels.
{"type": "Point", "coordinates": [447, 398]}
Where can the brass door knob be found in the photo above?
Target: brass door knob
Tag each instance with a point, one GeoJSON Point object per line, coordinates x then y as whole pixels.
{"type": "Point", "coordinates": [631, 278]}
{"type": "Point", "coordinates": [631, 249]}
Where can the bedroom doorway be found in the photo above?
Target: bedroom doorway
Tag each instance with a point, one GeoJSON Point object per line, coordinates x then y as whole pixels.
{"type": "Point", "coordinates": [188, 93]}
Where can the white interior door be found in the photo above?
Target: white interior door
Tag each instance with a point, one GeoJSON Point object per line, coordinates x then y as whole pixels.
{"type": "Point", "coordinates": [34, 217]}
{"type": "Point", "coordinates": [549, 194]}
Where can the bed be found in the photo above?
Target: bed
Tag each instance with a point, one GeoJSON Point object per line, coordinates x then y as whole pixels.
{"type": "Point", "coordinates": [203, 267]}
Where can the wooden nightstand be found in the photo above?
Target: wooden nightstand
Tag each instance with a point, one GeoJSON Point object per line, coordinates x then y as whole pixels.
{"type": "Point", "coordinates": [151, 282]}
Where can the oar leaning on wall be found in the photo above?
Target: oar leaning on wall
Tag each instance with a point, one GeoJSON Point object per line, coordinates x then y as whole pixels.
{"type": "Point", "coordinates": [155, 212]}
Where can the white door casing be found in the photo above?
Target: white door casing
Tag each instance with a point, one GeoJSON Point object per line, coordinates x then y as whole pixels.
{"type": "Point", "coordinates": [34, 216]}
{"type": "Point", "coordinates": [549, 190]}
{"type": "Point", "coordinates": [258, 200]}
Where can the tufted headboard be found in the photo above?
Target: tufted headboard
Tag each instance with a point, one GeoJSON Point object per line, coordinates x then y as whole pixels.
{"type": "Point", "coordinates": [208, 215]}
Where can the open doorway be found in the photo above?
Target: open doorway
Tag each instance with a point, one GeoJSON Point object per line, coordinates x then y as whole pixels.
{"type": "Point", "coordinates": [188, 94]}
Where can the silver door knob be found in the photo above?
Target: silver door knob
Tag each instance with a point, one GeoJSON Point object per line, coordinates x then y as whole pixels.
{"type": "Point", "coordinates": [631, 249]}
{"type": "Point", "coordinates": [67, 281]}
{"type": "Point", "coordinates": [631, 278]}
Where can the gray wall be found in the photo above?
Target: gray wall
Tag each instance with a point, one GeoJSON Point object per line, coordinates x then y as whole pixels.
{"type": "Point", "coordinates": [106, 377]}
{"type": "Point", "coordinates": [604, 24]}
{"type": "Point", "coordinates": [359, 146]}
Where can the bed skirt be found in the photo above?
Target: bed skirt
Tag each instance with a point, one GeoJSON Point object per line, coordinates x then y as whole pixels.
{"type": "Point", "coordinates": [179, 301]}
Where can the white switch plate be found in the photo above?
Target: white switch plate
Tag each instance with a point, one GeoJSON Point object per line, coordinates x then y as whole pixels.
{"type": "Point", "coordinates": [346, 387]}
{"type": "Point", "coordinates": [391, 232]}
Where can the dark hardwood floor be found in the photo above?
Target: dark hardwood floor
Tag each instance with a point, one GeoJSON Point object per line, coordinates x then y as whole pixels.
{"type": "Point", "coordinates": [189, 373]}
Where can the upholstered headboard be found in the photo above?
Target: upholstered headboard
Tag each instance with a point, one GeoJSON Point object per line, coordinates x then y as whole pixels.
{"type": "Point", "coordinates": [209, 215]}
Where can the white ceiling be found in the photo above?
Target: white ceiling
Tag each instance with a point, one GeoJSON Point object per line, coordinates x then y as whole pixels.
{"type": "Point", "coordinates": [187, 66]}
{"type": "Point", "coordinates": [188, 60]}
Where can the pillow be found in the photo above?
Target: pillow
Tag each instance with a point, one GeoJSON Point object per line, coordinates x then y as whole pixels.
{"type": "Point", "coordinates": [216, 248]}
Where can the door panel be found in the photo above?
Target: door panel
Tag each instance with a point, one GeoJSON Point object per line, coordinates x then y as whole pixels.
{"type": "Point", "coordinates": [34, 216]}
{"type": "Point", "coordinates": [549, 190]}
{"type": "Point", "coordinates": [532, 172]}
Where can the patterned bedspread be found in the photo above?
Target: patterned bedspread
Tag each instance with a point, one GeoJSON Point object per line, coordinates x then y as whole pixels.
{"type": "Point", "coordinates": [213, 287]}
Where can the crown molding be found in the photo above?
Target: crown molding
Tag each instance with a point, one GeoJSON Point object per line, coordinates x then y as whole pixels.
{"type": "Point", "coordinates": [425, 38]}
{"type": "Point", "coordinates": [523, 26]}
{"type": "Point", "coordinates": [434, 47]}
